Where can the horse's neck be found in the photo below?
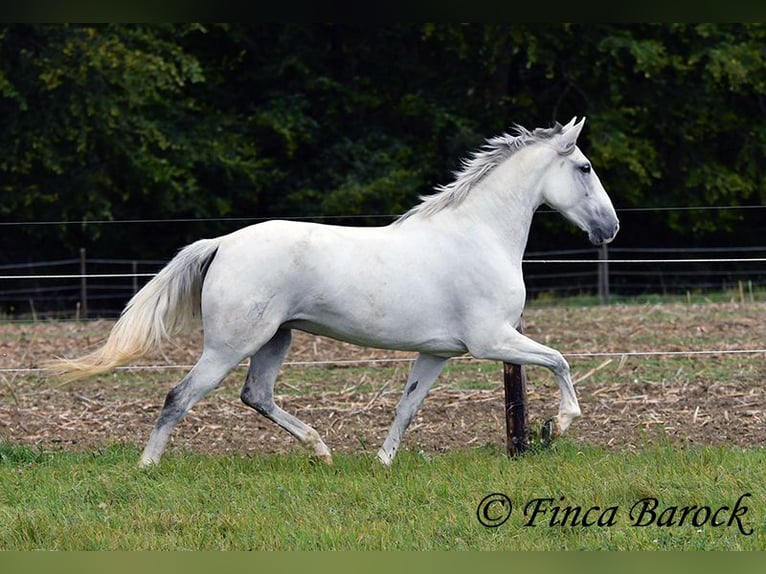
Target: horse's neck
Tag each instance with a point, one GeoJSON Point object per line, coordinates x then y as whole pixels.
{"type": "Point", "coordinates": [504, 203]}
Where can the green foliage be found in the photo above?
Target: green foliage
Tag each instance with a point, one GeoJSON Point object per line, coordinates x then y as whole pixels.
{"type": "Point", "coordinates": [115, 122]}
{"type": "Point", "coordinates": [100, 124]}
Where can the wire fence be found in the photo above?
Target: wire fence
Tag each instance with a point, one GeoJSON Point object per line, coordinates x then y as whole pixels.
{"type": "Point", "coordinates": [399, 360]}
{"type": "Point", "coordinates": [630, 272]}
{"type": "Point", "coordinates": [85, 287]}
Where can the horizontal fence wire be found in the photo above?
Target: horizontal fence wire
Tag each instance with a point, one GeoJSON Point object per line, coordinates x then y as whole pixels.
{"type": "Point", "coordinates": [399, 360]}
{"type": "Point", "coordinates": [80, 276]}
{"type": "Point", "coordinates": [645, 261]}
{"type": "Point", "coordinates": [608, 261]}
{"type": "Point", "coordinates": [349, 217]}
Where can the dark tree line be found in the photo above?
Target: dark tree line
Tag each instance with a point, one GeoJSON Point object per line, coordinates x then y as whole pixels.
{"type": "Point", "coordinates": [134, 122]}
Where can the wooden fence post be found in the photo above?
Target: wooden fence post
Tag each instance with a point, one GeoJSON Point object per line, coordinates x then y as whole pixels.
{"type": "Point", "coordinates": [603, 274]}
{"type": "Point", "coordinates": [83, 286]}
{"type": "Point", "coordinates": [516, 418]}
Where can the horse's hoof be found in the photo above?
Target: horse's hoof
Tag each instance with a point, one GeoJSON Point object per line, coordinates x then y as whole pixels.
{"type": "Point", "coordinates": [548, 432]}
{"type": "Point", "coordinates": [384, 458]}
{"type": "Point", "coordinates": [325, 458]}
{"type": "Point", "coordinates": [147, 463]}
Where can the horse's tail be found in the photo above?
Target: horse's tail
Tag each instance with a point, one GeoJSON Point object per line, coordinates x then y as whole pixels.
{"type": "Point", "coordinates": [165, 306]}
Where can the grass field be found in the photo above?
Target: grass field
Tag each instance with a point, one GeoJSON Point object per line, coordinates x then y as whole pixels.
{"type": "Point", "coordinates": [668, 455]}
{"type": "Point", "coordinates": [101, 501]}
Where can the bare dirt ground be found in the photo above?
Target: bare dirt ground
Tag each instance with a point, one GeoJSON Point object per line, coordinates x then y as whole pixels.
{"type": "Point", "coordinates": [628, 401]}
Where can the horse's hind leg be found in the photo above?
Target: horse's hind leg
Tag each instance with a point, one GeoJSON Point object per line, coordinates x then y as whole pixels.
{"type": "Point", "coordinates": [205, 376]}
{"type": "Point", "coordinates": [258, 393]}
{"type": "Point", "coordinates": [421, 377]}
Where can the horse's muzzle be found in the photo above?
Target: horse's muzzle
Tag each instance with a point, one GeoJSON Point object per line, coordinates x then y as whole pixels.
{"type": "Point", "coordinates": [602, 234]}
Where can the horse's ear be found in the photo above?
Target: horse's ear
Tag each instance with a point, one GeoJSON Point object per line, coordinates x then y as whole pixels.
{"type": "Point", "coordinates": [569, 124]}
{"type": "Point", "coordinates": [571, 131]}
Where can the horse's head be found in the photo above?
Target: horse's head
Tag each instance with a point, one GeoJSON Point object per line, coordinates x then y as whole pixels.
{"type": "Point", "coordinates": [572, 188]}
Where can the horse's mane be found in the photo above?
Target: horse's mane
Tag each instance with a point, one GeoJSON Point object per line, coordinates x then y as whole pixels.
{"type": "Point", "coordinates": [479, 164]}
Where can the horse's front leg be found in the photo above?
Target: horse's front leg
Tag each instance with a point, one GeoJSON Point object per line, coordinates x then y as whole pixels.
{"type": "Point", "coordinates": [513, 347]}
{"type": "Point", "coordinates": [421, 378]}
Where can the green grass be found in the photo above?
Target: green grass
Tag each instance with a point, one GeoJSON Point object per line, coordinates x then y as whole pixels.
{"type": "Point", "coordinates": [101, 501]}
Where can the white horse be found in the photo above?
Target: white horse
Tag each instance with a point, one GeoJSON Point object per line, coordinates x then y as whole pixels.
{"type": "Point", "coordinates": [443, 280]}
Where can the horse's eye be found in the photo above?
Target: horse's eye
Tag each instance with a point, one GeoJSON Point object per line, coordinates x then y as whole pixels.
{"type": "Point", "coordinates": [585, 168]}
